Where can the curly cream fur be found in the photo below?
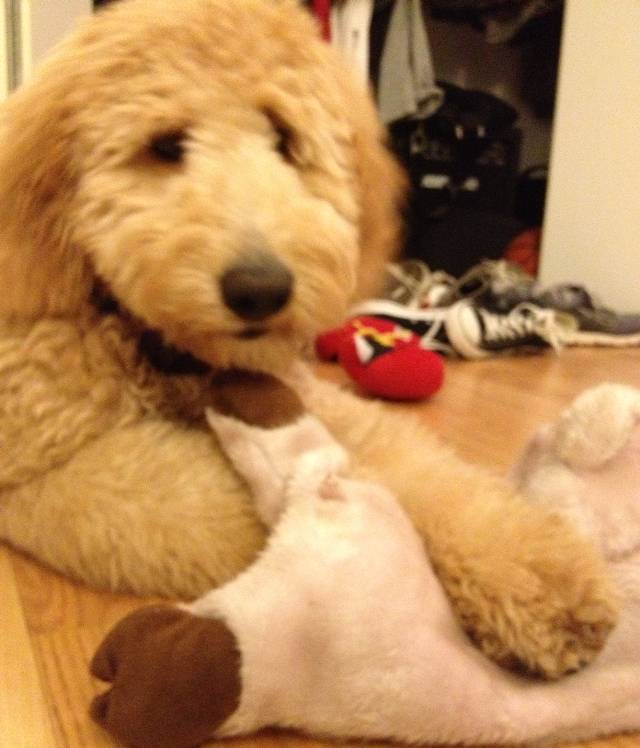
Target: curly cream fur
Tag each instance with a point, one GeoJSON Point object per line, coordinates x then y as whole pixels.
{"type": "Point", "coordinates": [107, 471]}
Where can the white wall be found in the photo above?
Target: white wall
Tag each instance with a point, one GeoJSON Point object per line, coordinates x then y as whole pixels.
{"type": "Point", "coordinates": [592, 223]}
{"type": "Point", "coordinates": [46, 22]}
{"type": "Point", "coordinates": [4, 55]}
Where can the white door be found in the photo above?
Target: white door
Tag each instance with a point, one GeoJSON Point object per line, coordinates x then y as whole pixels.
{"type": "Point", "coordinates": [28, 30]}
{"type": "Point", "coordinates": [592, 221]}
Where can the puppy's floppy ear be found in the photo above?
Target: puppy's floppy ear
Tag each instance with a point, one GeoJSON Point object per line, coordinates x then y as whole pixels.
{"type": "Point", "coordinates": [383, 186]}
{"type": "Point", "coordinates": [40, 272]}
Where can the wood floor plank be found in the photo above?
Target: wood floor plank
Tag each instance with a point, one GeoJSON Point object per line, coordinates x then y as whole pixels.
{"type": "Point", "coordinates": [24, 717]}
{"type": "Point", "coordinates": [49, 626]}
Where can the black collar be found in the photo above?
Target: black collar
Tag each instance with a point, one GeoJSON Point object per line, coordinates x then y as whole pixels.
{"type": "Point", "coordinates": [164, 358]}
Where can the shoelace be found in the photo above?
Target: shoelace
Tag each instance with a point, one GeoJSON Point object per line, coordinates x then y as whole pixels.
{"type": "Point", "coordinates": [436, 338]}
{"type": "Point", "coordinates": [419, 286]}
{"type": "Point", "coordinates": [523, 320]}
{"type": "Point", "coordinates": [494, 276]}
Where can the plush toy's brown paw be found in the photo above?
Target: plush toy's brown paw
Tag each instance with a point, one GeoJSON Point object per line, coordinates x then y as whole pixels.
{"type": "Point", "coordinates": [255, 398]}
{"type": "Point", "coordinates": [545, 606]}
{"type": "Point", "coordinates": [174, 678]}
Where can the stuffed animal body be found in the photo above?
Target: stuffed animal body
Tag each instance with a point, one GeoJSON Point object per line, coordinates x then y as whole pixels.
{"type": "Point", "coordinates": [341, 628]}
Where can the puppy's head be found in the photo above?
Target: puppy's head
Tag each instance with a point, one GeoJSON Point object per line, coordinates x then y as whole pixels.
{"type": "Point", "coordinates": [211, 162]}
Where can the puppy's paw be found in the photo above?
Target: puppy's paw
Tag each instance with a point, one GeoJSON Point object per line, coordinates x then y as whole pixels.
{"type": "Point", "coordinates": [545, 607]}
{"type": "Point", "coordinates": [553, 635]}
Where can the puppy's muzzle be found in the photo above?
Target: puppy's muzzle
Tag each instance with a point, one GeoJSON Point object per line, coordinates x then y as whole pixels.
{"type": "Point", "coordinates": [257, 287]}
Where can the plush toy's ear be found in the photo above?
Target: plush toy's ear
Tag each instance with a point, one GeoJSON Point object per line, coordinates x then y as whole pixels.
{"type": "Point", "coordinates": [175, 678]}
{"type": "Point", "coordinates": [40, 271]}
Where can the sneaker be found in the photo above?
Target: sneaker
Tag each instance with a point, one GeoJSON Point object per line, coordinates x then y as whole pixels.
{"type": "Point", "coordinates": [476, 332]}
{"type": "Point", "coordinates": [596, 325]}
{"type": "Point", "coordinates": [472, 332]}
{"type": "Point", "coordinates": [414, 284]}
{"type": "Point", "coordinates": [497, 285]}
{"type": "Point", "coordinates": [500, 286]}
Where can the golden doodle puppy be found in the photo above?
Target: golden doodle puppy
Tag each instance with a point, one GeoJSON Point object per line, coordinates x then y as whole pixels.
{"type": "Point", "coordinates": [191, 187]}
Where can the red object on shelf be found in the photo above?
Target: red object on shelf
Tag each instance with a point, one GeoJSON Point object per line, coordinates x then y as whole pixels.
{"type": "Point", "coordinates": [524, 250]}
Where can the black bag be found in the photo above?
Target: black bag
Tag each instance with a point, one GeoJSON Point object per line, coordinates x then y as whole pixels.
{"type": "Point", "coordinates": [463, 166]}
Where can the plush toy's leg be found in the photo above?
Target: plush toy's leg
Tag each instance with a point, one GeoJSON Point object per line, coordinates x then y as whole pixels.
{"type": "Point", "coordinates": [269, 458]}
{"type": "Point", "coordinates": [152, 508]}
{"type": "Point", "coordinates": [524, 585]}
{"type": "Point", "coordinates": [586, 466]}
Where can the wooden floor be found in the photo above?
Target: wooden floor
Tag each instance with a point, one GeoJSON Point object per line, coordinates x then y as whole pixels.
{"type": "Point", "coordinates": [50, 627]}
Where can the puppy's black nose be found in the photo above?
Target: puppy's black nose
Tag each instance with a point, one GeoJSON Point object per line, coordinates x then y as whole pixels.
{"type": "Point", "coordinates": [257, 287]}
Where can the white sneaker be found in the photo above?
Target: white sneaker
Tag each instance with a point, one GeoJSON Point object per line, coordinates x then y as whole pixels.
{"type": "Point", "coordinates": [471, 332]}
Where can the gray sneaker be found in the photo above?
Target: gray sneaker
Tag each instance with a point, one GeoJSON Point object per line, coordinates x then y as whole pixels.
{"type": "Point", "coordinates": [498, 285]}
{"type": "Point", "coordinates": [596, 325]}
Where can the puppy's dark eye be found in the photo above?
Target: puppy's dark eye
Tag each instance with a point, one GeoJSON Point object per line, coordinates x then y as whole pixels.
{"type": "Point", "coordinates": [284, 141]}
{"type": "Point", "coordinates": [169, 147]}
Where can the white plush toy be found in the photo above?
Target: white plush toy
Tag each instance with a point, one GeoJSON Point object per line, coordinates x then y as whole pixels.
{"type": "Point", "coordinates": [341, 629]}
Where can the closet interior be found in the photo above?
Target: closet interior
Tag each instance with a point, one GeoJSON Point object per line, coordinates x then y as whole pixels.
{"type": "Point", "coordinates": [467, 90]}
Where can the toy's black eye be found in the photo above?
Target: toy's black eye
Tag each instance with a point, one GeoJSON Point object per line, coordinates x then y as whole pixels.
{"type": "Point", "coordinates": [169, 147]}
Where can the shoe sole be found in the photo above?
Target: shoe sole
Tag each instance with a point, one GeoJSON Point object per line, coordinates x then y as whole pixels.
{"type": "Point", "coordinates": [460, 319]}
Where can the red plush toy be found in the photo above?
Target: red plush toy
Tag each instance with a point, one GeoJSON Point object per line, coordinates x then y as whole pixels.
{"type": "Point", "coordinates": [384, 359]}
